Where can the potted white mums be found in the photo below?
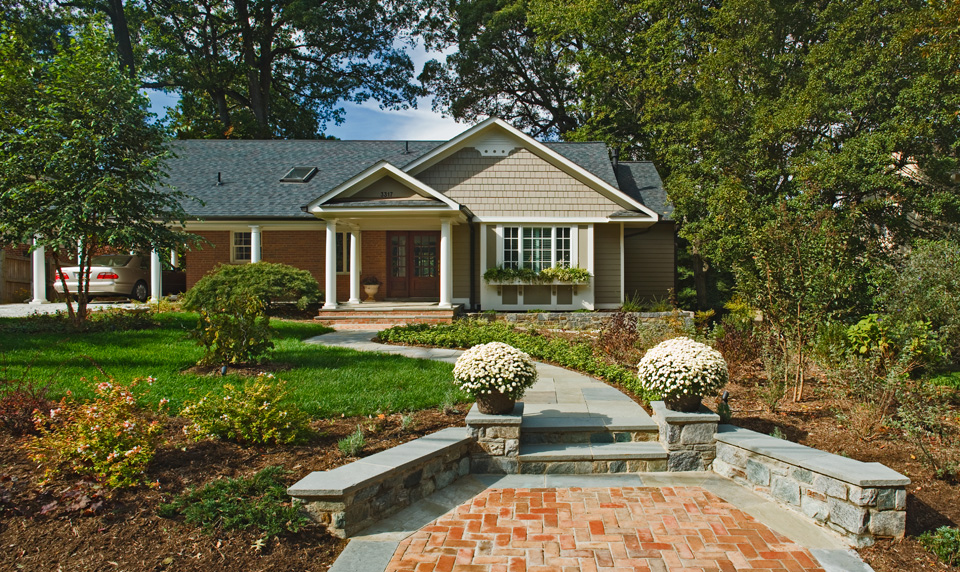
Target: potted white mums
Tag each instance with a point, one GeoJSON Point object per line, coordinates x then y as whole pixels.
{"type": "Point", "coordinates": [682, 371]}
{"type": "Point", "coordinates": [496, 375]}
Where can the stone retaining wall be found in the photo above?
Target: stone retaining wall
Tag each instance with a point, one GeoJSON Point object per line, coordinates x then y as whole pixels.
{"type": "Point", "coordinates": [354, 496]}
{"type": "Point", "coordinates": [575, 320]}
{"type": "Point", "coordinates": [861, 501]}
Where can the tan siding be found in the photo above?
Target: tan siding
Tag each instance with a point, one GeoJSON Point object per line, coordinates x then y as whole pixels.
{"type": "Point", "coordinates": [649, 261]}
{"type": "Point", "coordinates": [606, 261]}
{"type": "Point", "coordinates": [583, 250]}
{"type": "Point", "coordinates": [461, 261]}
{"type": "Point", "coordinates": [387, 188]}
{"type": "Point", "coordinates": [519, 184]}
{"type": "Point", "coordinates": [491, 247]}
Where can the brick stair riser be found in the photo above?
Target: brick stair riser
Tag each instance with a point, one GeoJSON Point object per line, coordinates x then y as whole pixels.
{"type": "Point", "coordinates": [381, 320]}
{"type": "Point", "coordinates": [529, 437]}
{"type": "Point", "coordinates": [349, 314]}
{"type": "Point", "coordinates": [590, 467]}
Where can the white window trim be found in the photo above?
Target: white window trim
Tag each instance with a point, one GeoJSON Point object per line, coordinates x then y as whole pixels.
{"type": "Point", "coordinates": [574, 241]}
{"type": "Point", "coordinates": [233, 246]}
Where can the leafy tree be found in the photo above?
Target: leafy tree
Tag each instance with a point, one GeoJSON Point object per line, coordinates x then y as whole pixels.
{"type": "Point", "coordinates": [277, 68]}
{"type": "Point", "coordinates": [80, 158]}
{"type": "Point", "coordinates": [501, 67]}
{"type": "Point", "coordinates": [803, 272]}
{"type": "Point", "coordinates": [746, 104]}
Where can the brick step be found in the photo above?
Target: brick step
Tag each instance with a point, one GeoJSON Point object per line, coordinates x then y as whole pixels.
{"type": "Point", "coordinates": [366, 317]}
{"type": "Point", "coordinates": [381, 320]}
{"type": "Point", "coordinates": [406, 312]}
{"type": "Point", "coordinates": [591, 458]}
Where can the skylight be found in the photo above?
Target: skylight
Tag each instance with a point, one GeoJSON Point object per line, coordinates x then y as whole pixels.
{"type": "Point", "coordinates": [299, 175]}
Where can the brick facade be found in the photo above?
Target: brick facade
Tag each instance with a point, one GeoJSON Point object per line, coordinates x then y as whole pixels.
{"type": "Point", "coordinates": [304, 249]}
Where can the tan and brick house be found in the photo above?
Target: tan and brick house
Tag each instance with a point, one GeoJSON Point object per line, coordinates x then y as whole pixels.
{"type": "Point", "coordinates": [428, 218]}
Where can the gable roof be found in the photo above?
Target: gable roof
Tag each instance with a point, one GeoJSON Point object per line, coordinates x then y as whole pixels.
{"type": "Point", "coordinates": [250, 172]}
{"type": "Point", "coordinates": [497, 127]}
{"type": "Point", "coordinates": [374, 173]}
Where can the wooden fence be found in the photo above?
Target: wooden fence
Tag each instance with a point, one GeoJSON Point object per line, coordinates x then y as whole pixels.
{"type": "Point", "coordinates": [15, 277]}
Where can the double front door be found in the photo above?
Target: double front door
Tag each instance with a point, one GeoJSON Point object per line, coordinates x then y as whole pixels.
{"type": "Point", "coordinates": [413, 264]}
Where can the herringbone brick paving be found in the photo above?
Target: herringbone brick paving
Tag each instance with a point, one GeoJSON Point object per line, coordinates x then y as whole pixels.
{"type": "Point", "coordinates": [679, 529]}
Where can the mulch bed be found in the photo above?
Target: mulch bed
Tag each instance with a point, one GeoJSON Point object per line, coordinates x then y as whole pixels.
{"type": "Point", "coordinates": [69, 525]}
{"type": "Point", "coordinates": [931, 502]}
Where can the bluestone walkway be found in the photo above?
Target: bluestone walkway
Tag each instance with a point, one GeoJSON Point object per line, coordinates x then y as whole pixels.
{"type": "Point", "coordinates": [651, 522]}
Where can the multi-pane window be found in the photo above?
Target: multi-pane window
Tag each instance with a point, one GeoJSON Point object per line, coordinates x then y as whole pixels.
{"type": "Point", "coordinates": [343, 252]}
{"type": "Point", "coordinates": [537, 247]}
{"type": "Point", "coordinates": [511, 247]}
{"type": "Point", "coordinates": [242, 246]}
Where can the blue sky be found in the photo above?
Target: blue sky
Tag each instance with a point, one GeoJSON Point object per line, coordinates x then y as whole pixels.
{"type": "Point", "coordinates": [367, 120]}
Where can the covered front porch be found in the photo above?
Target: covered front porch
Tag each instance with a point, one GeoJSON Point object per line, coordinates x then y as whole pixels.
{"type": "Point", "coordinates": [416, 252]}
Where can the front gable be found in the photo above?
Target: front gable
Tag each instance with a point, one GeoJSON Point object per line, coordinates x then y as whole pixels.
{"type": "Point", "coordinates": [496, 171]}
{"type": "Point", "coordinates": [518, 183]}
{"type": "Point", "coordinates": [379, 189]}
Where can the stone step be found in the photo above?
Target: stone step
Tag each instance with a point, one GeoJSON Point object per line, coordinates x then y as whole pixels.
{"type": "Point", "coordinates": [384, 320]}
{"type": "Point", "coordinates": [586, 428]}
{"type": "Point", "coordinates": [592, 458]}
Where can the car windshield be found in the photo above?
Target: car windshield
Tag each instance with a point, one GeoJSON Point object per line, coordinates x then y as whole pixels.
{"type": "Point", "coordinates": [110, 260]}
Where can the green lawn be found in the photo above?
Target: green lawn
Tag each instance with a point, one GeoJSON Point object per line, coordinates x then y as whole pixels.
{"type": "Point", "coordinates": [326, 382]}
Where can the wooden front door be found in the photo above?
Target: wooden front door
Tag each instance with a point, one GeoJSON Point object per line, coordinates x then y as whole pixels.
{"type": "Point", "coordinates": [414, 264]}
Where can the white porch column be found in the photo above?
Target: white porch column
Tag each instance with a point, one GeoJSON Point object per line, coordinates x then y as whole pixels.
{"type": "Point", "coordinates": [39, 275]}
{"type": "Point", "coordinates": [330, 301]}
{"type": "Point", "coordinates": [355, 267]}
{"type": "Point", "coordinates": [254, 244]}
{"type": "Point", "coordinates": [446, 264]}
{"type": "Point", "coordinates": [174, 258]}
{"type": "Point", "coordinates": [156, 287]}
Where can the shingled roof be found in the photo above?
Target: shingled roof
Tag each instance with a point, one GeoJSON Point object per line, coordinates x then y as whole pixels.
{"type": "Point", "coordinates": [249, 172]}
{"type": "Point", "coordinates": [641, 182]}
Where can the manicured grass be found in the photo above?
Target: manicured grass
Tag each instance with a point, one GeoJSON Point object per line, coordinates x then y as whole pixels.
{"type": "Point", "coordinates": [324, 381]}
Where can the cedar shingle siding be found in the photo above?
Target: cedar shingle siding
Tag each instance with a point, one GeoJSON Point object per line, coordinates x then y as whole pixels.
{"type": "Point", "coordinates": [520, 184]}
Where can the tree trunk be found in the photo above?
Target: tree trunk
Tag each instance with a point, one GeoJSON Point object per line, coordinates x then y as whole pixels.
{"type": "Point", "coordinates": [258, 103]}
{"type": "Point", "coordinates": [121, 33]}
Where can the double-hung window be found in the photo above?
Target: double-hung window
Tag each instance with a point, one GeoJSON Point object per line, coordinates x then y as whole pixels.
{"type": "Point", "coordinates": [537, 247]}
{"type": "Point", "coordinates": [242, 246]}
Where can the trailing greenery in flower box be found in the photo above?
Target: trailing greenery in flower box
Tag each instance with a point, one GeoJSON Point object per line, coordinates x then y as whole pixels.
{"type": "Point", "coordinates": [501, 275]}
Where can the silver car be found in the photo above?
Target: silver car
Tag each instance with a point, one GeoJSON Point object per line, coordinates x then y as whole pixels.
{"type": "Point", "coordinates": [119, 275]}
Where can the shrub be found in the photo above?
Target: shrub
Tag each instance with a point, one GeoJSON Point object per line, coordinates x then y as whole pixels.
{"type": "Point", "coordinates": [944, 543]}
{"type": "Point", "coordinates": [238, 331]}
{"type": "Point", "coordinates": [107, 320]}
{"type": "Point", "coordinates": [19, 401]}
{"type": "Point", "coordinates": [268, 282]}
{"type": "Point", "coordinates": [925, 286]}
{"type": "Point", "coordinates": [254, 413]}
{"type": "Point", "coordinates": [110, 438]}
{"type": "Point", "coordinates": [496, 366]}
{"type": "Point", "coordinates": [353, 444]}
{"type": "Point", "coordinates": [680, 367]}
{"type": "Point", "coordinates": [260, 502]}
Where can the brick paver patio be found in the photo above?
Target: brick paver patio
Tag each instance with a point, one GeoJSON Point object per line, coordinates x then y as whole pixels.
{"type": "Point", "coordinates": [680, 529]}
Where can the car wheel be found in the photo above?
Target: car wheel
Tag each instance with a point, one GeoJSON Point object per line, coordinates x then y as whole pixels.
{"type": "Point", "coordinates": [140, 291]}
